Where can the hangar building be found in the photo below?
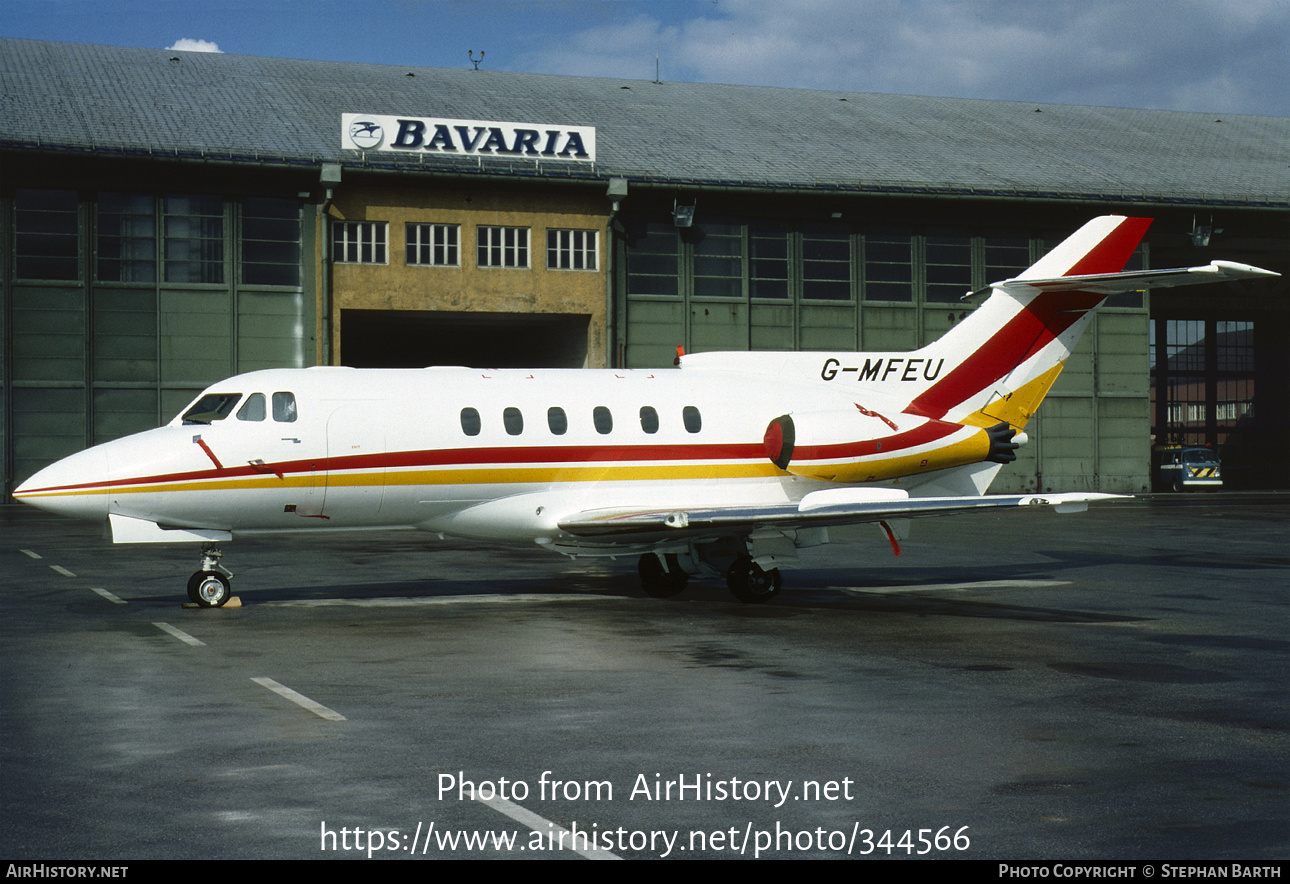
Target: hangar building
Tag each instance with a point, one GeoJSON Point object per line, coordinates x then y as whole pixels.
{"type": "Point", "coordinates": [171, 218]}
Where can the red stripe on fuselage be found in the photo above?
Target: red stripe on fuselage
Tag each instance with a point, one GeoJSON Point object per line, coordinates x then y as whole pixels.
{"type": "Point", "coordinates": [565, 455]}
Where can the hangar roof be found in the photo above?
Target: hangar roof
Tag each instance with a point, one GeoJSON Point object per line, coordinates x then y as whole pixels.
{"type": "Point", "coordinates": [166, 103]}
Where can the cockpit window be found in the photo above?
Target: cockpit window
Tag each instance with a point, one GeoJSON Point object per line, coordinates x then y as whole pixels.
{"type": "Point", "coordinates": [211, 407]}
{"type": "Point", "coordinates": [252, 409]}
{"type": "Point", "coordinates": [284, 407]}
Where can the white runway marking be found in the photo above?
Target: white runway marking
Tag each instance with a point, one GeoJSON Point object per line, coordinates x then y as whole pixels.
{"type": "Point", "coordinates": [549, 830]}
{"type": "Point", "coordinates": [180, 634]}
{"type": "Point", "coordinates": [61, 570]}
{"type": "Point", "coordinates": [30, 554]}
{"type": "Point", "coordinates": [299, 699]}
{"type": "Point", "coordinates": [107, 595]}
{"type": "Point", "coordinates": [958, 587]}
{"type": "Point", "coordinates": [395, 602]}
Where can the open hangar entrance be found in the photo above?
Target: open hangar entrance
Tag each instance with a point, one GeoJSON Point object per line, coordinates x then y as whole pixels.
{"type": "Point", "coordinates": [419, 338]}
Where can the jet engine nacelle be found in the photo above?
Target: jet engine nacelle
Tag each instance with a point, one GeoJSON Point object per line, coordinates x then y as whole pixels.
{"type": "Point", "coordinates": [865, 446]}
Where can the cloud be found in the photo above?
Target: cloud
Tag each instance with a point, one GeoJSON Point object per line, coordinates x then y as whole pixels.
{"type": "Point", "coordinates": [187, 44]}
{"type": "Point", "coordinates": [1170, 54]}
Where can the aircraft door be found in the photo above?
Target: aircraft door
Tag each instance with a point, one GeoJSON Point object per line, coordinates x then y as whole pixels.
{"type": "Point", "coordinates": [355, 474]}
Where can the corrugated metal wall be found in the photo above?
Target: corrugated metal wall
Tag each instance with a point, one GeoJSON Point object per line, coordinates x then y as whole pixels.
{"type": "Point", "coordinates": [112, 326]}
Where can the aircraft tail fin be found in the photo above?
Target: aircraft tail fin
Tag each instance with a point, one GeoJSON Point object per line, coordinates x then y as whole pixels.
{"type": "Point", "coordinates": [1007, 354]}
{"type": "Point", "coordinates": [1004, 357]}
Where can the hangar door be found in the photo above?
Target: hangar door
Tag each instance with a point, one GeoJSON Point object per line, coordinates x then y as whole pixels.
{"type": "Point", "coordinates": [418, 338]}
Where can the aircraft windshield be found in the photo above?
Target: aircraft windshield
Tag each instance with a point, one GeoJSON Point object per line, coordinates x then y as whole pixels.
{"type": "Point", "coordinates": [211, 407]}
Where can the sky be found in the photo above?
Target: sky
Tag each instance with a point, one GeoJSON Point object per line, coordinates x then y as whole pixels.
{"type": "Point", "coordinates": [1214, 56]}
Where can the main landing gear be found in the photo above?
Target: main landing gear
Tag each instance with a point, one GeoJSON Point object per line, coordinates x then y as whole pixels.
{"type": "Point", "coordinates": [209, 587]}
{"type": "Point", "coordinates": [752, 583]}
{"type": "Point", "coordinates": [662, 576]}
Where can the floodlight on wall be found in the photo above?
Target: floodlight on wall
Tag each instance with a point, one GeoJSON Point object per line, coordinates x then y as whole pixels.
{"type": "Point", "coordinates": [617, 191]}
{"type": "Point", "coordinates": [1200, 235]}
{"type": "Point", "coordinates": [683, 216]}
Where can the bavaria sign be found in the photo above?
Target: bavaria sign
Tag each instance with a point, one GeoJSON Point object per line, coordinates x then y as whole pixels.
{"type": "Point", "coordinates": [389, 134]}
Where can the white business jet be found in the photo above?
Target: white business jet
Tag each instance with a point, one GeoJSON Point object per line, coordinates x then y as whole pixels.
{"type": "Point", "coordinates": [729, 465]}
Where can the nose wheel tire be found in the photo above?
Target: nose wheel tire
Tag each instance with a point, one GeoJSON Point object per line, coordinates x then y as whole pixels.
{"type": "Point", "coordinates": [209, 589]}
{"type": "Point", "coordinates": [752, 583]}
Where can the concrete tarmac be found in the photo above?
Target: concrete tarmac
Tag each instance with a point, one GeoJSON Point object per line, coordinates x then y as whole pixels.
{"type": "Point", "coordinates": [1105, 685]}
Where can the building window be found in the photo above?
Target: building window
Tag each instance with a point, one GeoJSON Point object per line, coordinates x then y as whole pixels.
{"type": "Point", "coordinates": [47, 238]}
{"type": "Point", "coordinates": [1005, 258]}
{"type": "Point", "coordinates": [653, 259]}
{"type": "Point", "coordinates": [194, 239]}
{"type": "Point", "coordinates": [768, 267]}
{"type": "Point", "coordinates": [434, 245]}
{"type": "Point", "coordinates": [270, 242]}
{"type": "Point", "coordinates": [826, 263]}
{"type": "Point", "coordinates": [127, 238]}
{"type": "Point", "coordinates": [571, 250]}
{"type": "Point", "coordinates": [719, 261]}
{"type": "Point", "coordinates": [504, 247]}
{"type": "Point", "coordinates": [888, 267]}
{"type": "Point", "coordinates": [949, 268]}
{"type": "Point", "coordinates": [359, 242]}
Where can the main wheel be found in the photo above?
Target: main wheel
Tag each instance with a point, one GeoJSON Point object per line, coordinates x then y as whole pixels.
{"type": "Point", "coordinates": [752, 583]}
{"type": "Point", "coordinates": [210, 589]}
{"type": "Point", "coordinates": [659, 581]}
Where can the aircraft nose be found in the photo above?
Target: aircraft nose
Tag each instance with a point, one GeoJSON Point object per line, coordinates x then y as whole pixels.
{"type": "Point", "coordinates": [76, 486]}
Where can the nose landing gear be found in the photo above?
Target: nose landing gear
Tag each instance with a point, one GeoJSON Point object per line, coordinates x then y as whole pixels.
{"type": "Point", "coordinates": [209, 587]}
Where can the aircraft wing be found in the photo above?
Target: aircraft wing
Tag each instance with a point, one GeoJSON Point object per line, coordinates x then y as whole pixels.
{"type": "Point", "coordinates": [821, 509]}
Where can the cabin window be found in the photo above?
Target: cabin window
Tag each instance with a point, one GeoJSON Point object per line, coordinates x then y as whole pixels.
{"type": "Point", "coordinates": [513, 421]}
{"type": "Point", "coordinates": [284, 407]}
{"type": "Point", "coordinates": [693, 420]}
{"type": "Point", "coordinates": [557, 420]}
{"type": "Point", "coordinates": [649, 419]}
{"type": "Point", "coordinates": [211, 407]}
{"type": "Point", "coordinates": [603, 420]}
{"type": "Point", "coordinates": [470, 423]}
{"type": "Point", "coordinates": [253, 409]}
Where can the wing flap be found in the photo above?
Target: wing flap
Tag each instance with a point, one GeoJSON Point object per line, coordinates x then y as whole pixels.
{"type": "Point", "coordinates": [814, 511]}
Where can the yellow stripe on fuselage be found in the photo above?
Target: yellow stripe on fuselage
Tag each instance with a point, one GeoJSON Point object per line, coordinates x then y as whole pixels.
{"type": "Point", "coordinates": [499, 475]}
